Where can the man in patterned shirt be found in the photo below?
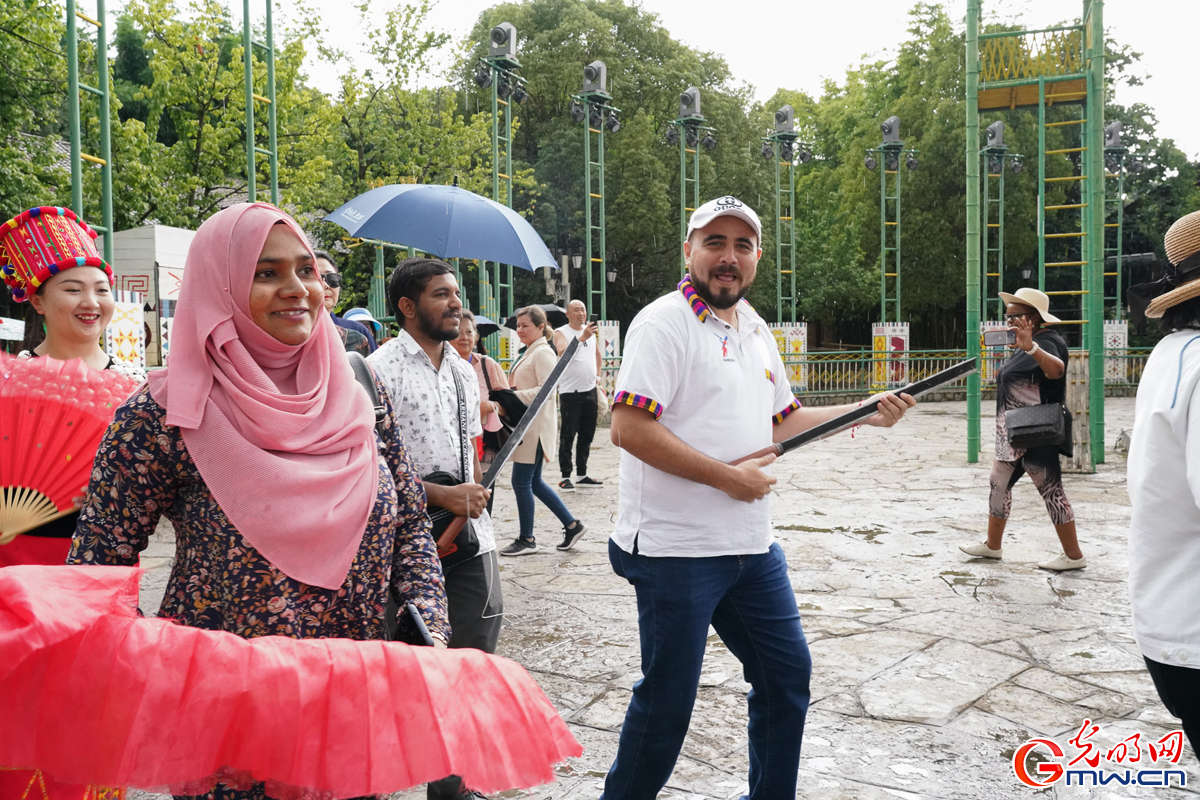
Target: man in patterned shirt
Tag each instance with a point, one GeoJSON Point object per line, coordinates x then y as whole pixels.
{"type": "Point", "coordinates": [420, 370]}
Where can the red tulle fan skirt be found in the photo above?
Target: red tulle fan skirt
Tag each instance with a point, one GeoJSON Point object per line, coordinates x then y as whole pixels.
{"type": "Point", "coordinates": [94, 694]}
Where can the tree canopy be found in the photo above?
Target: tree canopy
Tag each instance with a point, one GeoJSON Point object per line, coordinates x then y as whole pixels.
{"type": "Point", "coordinates": [178, 134]}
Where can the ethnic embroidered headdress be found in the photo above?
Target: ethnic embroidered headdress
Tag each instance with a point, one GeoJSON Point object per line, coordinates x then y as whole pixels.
{"type": "Point", "coordinates": [39, 243]}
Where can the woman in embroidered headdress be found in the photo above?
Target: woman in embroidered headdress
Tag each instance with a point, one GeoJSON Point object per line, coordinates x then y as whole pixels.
{"type": "Point", "coordinates": [293, 516]}
{"type": "Point", "coordinates": [49, 260]}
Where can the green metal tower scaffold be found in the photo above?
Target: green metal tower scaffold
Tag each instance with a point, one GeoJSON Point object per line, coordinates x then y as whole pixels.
{"type": "Point", "coordinates": [592, 107]}
{"type": "Point", "coordinates": [1045, 69]}
{"type": "Point", "coordinates": [101, 92]}
{"type": "Point", "coordinates": [252, 97]}
{"type": "Point", "coordinates": [997, 161]}
{"type": "Point", "coordinates": [890, 153]}
{"type": "Point", "coordinates": [498, 71]}
{"type": "Point", "coordinates": [690, 133]}
{"type": "Point", "coordinates": [783, 148]}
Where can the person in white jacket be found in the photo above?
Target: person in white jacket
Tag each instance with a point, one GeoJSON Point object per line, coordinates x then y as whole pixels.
{"type": "Point", "coordinates": [1164, 483]}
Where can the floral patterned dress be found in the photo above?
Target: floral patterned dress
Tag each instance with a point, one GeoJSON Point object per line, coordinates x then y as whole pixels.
{"type": "Point", "coordinates": [219, 581]}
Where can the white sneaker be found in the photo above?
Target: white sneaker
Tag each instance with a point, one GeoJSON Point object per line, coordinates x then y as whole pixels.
{"type": "Point", "coordinates": [1061, 563]}
{"type": "Point", "coordinates": [981, 550]}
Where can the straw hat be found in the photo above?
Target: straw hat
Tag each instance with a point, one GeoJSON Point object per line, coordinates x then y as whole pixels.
{"type": "Point", "coordinates": [1028, 296]}
{"type": "Point", "coordinates": [1183, 252]}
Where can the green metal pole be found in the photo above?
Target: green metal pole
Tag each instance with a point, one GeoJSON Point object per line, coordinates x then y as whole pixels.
{"type": "Point", "coordinates": [1041, 210]}
{"type": "Point", "coordinates": [985, 233]}
{"type": "Point", "coordinates": [508, 196]}
{"type": "Point", "coordinates": [883, 250]}
{"type": "Point", "coordinates": [1095, 159]}
{"type": "Point", "coordinates": [1120, 309]}
{"type": "Point", "coordinates": [778, 236]}
{"type": "Point", "coordinates": [73, 110]}
{"type": "Point", "coordinates": [603, 232]}
{"type": "Point", "coordinates": [682, 201]}
{"type": "Point", "coordinates": [587, 189]}
{"type": "Point", "coordinates": [377, 296]}
{"type": "Point", "coordinates": [972, 156]}
{"type": "Point", "coordinates": [1000, 240]}
{"type": "Point", "coordinates": [271, 107]}
{"type": "Point", "coordinates": [248, 59]}
{"type": "Point", "coordinates": [792, 233]}
{"type": "Point", "coordinates": [106, 198]}
{"type": "Point", "coordinates": [897, 226]}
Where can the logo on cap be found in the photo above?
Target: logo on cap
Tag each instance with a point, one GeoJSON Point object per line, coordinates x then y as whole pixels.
{"type": "Point", "coordinates": [728, 201]}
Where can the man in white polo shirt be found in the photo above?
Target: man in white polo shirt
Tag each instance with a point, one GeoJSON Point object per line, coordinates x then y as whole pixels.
{"type": "Point", "coordinates": [702, 384]}
{"type": "Point", "coordinates": [577, 395]}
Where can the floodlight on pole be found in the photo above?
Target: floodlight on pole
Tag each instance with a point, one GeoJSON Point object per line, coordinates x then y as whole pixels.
{"type": "Point", "coordinates": [592, 106]}
{"type": "Point", "coordinates": [768, 151]}
{"type": "Point", "coordinates": [672, 136]}
{"type": "Point", "coordinates": [709, 142]}
{"type": "Point", "coordinates": [690, 136]}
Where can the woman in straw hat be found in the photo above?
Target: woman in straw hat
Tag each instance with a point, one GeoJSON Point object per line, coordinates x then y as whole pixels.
{"type": "Point", "coordinates": [1034, 374]}
{"type": "Point", "coordinates": [1164, 483]}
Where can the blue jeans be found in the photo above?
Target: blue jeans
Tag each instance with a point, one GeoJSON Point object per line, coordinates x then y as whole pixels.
{"type": "Point", "coordinates": [527, 483]}
{"type": "Point", "coordinates": [749, 601]}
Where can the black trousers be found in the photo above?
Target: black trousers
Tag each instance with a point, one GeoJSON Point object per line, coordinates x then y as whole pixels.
{"type": "Point", "coordinates": [476, 606]}
{"type": "Point", "coordinates": [579, 411]}
{"type": "Point", "coordinates": [1179, 690]}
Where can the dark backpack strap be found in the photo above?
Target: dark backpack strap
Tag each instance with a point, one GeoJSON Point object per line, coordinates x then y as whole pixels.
{"type": "Point", "coordinates": [362, 373]}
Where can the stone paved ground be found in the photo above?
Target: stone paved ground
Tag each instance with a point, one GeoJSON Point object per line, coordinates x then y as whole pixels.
{"type": "Point", "coordinates": [930, 668]}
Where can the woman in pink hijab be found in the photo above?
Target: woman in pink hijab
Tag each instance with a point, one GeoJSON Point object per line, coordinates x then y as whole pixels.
{"type": "Point", "coordinates": [293, 516]}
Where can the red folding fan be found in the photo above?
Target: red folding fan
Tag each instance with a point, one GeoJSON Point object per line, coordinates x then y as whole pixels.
{"type": "Point", "coordinates": [52, 417]}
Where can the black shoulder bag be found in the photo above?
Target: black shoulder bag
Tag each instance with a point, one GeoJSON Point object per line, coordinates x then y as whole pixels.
{"type": "Point", "coordinates": [1044, 425]}
{"type": "Point", "coordinates": [465, 545]}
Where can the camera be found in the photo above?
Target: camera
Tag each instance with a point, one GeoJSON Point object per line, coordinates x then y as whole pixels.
{"type": "Point", "coordinates": [999, 338]}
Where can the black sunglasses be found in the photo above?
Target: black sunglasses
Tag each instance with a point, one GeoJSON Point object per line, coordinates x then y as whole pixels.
{"type": "Point", "coordinates": [332, 279]}
{"type": "Point", "coordinates": [1008, 317]}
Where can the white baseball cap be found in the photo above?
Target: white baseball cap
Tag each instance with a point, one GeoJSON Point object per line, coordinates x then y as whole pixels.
{"type": "Point", "coordinates": [720, 207]}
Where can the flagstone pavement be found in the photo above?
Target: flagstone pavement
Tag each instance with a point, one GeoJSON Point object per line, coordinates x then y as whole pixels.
{"type": "Point", "coordinates": [929, 668]}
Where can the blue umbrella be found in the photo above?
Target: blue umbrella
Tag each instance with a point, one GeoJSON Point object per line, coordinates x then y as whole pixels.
{"type": "Point", "coordinates": [444, 220]}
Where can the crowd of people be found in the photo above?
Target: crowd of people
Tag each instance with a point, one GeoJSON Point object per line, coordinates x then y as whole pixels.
{"type": "Point", "coordinates": [306, 507]}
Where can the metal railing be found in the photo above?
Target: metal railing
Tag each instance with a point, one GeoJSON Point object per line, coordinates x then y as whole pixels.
{"type": "Point", "coordinates": [865, 371]}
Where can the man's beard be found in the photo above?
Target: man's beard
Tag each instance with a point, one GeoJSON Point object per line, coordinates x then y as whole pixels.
{"type": "Point", "coordinates": [726, 298]}
{"type": "Point", "coordinates": [429, 326]}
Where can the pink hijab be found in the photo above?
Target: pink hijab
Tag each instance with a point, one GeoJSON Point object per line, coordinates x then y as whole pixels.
{"type": "Point", "coordinates": [282, 434]}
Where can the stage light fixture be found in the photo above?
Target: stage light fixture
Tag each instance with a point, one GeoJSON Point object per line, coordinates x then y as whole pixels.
{"type": "Point", "coordinates": [911, 162]}
{"type": "Point", "coordinates": [870, 163]}
{"type": "Point", "coordinates": [613, 123]}
{"type": "Point", "coordinates": [805, 155]}
{"type": "Point", "coordinates": [1017, 166]}
{"type": "Point", "coordinates": [690, 137]}
{"type": "Point", "coordinates": [519, 94]}
{"type": "Point", "coordinates": [786, 153]}
{"type": "Point", "coordinates": [768, 152]}
{"type": "Point", "coordinates": [595, 119]}
{"type": "Point", "coordinates": [576, 111]}
{"type": "Point", "coordinates": [672, 135]}
{"type": "Point", "coordinates": [710, 142]}
{"type": "Point", "coordinates": [504, 89]}
{"type": "Point", "coordinates": [483, 76]}
{"type": "Point", "coordinates": [892, 162]}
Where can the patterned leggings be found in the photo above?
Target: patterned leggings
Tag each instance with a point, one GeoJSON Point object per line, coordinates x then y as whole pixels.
{"type": "Point", "coordinates": [1046, 477]}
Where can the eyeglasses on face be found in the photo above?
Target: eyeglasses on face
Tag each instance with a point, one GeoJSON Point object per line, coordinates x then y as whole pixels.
{"type": "Point", "coordinates": [1010, 317]}
{"type": "Point", "coordinates": [332, 279]}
